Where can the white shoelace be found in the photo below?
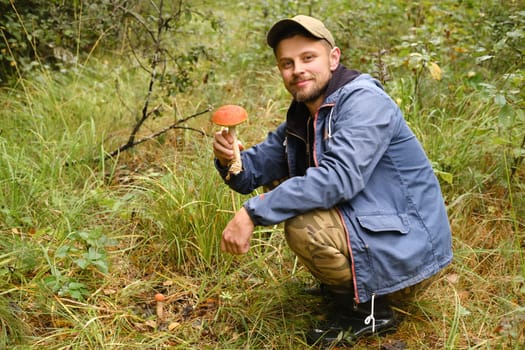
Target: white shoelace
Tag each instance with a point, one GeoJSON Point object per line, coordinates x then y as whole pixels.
{"type": "Point", "coordinates": [371, 317]}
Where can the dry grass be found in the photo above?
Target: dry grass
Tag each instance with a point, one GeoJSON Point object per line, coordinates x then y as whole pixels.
{"type": "Point", "coordinates": [86, 245]}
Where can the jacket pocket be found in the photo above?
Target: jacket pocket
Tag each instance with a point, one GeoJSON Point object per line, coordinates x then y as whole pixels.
{"type": "Point", "coordinates": [385, 222]}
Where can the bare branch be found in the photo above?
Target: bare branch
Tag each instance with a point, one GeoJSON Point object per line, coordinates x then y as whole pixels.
{"type": "Point", "coordinates": [175, 125]}
{"type": "Point", "coordinates": [153, 76]}
{"type": "Point", "coordinates": [139, 19]}
{"type": "Point", "coordinates": [156, 70]}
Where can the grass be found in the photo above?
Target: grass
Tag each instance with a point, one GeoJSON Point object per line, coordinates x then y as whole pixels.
{"type": "Point", "coordinates": [87, 243]}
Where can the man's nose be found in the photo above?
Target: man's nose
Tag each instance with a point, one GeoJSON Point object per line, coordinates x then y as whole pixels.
{"type": "Point", "coordinates": [298, 68]}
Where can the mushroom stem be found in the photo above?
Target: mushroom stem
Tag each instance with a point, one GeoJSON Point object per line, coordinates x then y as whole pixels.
{"type": "Point", "coordinates": [159, 298]}
{"type": "Point", "coordinates": [160, 310]}
{"type": "Point", "coordinates": [235, 164]}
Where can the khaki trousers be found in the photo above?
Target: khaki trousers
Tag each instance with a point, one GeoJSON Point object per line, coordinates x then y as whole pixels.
{"type": "Point", "coordinates": [319, 240]}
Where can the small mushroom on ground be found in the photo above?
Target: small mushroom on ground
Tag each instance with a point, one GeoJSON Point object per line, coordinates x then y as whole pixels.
{"type": "Point", "coordinates": [230, 116]}
{"type": "Point", "coordinates": [159, 298]}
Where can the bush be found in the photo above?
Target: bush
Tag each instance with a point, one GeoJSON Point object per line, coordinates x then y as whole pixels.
{"type": "Point", "coordinates": [55, 33]}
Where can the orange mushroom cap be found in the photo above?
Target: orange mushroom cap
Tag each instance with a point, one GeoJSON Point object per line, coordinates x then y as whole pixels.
{"type": "Point", "coordinates": [229, 115]}
{"type": "Point", "coordinates": [159, 297]}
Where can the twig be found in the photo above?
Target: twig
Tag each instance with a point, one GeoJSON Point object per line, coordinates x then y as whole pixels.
{"type": "Point", "coordinates": [175, 125]}
{"type": "Point", "coordinates": [162, 25]}
{"type": "Point", "coordinates": [145, 114]}
{"type": "Point", "coordinates": [139, 19]}
{"type": "Point", "coordinates": [157, 39]}
{"type": "Point", "coordinates": [382, 68]}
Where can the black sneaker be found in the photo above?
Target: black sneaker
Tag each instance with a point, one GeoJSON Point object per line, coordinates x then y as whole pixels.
{"type": "Point", "coordinates": [322, 290]}
{"type": "Point", "coordinates": [348, 326]}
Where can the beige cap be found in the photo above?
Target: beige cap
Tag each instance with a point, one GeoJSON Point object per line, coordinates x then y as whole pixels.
{"type": "Point", "coordinates": [310, 24]}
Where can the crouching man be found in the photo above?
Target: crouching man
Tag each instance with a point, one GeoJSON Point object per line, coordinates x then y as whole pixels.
{"type": "Point", "coordinates": [361, 206]}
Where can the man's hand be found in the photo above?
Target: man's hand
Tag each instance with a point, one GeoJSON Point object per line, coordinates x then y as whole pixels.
{"type": "Point", "coordinates": [237, 234]}
{"type": "Point", "coordinates": [223, 147]}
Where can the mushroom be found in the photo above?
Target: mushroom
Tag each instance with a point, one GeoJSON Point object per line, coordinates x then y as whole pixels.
{"type": "Point", "coordinates": [159, 298]}
{"type": "Point", "coordinates": [230, 116]}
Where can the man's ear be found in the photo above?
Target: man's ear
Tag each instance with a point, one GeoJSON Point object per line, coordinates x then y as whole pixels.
{"type": "Point", "coordinates": [335, 56]}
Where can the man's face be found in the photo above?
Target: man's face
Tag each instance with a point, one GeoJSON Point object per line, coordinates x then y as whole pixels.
{"type": "Point", "coordinates": [306, 66]}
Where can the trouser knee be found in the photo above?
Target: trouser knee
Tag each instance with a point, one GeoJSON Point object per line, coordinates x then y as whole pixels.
{"type": "Point", "coordinates": [320, 242]}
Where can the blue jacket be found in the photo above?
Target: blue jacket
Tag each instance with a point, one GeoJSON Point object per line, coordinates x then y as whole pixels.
{"type": "Point", "coordinates": [367, 163]}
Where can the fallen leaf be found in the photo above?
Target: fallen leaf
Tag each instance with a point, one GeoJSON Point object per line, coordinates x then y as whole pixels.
{"type": "Point", "coordinates": [109, 291]}
{"type": "Point", "coordinates": [464, 294]}
{"type": "Point", "coordinates": [453, 278]}
{"type": "Point", "coordinates": [435, 71]}
{"type": "Point", "coordinates": [394, 345]}
{"type": "Point", "coordinates": [151, 324]}
{"type": "Point", "coordinates": [173, 325]}
{"type": "Point", "coordinates": [460, 49]}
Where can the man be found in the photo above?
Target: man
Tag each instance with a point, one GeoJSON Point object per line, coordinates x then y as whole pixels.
{"type": "Point", "coordinates": [361, 205]}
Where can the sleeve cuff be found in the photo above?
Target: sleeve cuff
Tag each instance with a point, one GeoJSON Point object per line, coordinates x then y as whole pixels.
{"type": "Point", "coordinates": [250, 214]}
{"type": "Point", "coordinates": [223, 170]}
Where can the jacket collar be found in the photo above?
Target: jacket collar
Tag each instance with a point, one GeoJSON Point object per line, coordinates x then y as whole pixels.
{"type": "Point", "coordinates": [298, 113]}
{"type": "Point", "coordinates": [340, 77]}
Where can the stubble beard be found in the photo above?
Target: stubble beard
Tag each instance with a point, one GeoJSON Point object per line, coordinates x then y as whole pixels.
{"type": "Point", "coordinates": [311, 95]}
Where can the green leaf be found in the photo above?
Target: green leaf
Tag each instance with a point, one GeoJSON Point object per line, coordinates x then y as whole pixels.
{"type": "Point", "coordinates": [520, 115]}
{"type": "Point", "coordinates": [500, 100]}
{"type": "Point", "coordinates": [84, 235]}
{"type": "Point", "coordinates": [463, 311]}
{"type": "Point", "coordinates": [484, 58]}
{"type": "Point", "coordinates": [76, 285]}
{"type": "Point", "coordinates": [52, 282]}
{"type": "Point", "coordinates": [76, 290]}
{"type": "Point", "coordinates": [93, 254]}
{"type": "Point", "coordinates": [445, 176]}
{"type": "Point", "coordinates": [515, 34]}
{"type": "Point", "coordinates": [82, 263]}
{"type": "Point", "coordinates": [63, 251]}
{"type": "Point", "coordinates": [499, 141]}
{"type": "Point", "coordinates": [518, 152]}
{"type": "Point", "coordinates": [75, 294]}
{"type": "Point", "coordinates": [482, 131]}
{"type": "Point", "coordinates": [102, 265]}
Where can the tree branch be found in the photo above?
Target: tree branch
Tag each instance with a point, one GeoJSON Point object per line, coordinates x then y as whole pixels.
{"type": "Point", "coordinates": [153, 75]}
{"type": "Point", "coordinates": [175, 125]}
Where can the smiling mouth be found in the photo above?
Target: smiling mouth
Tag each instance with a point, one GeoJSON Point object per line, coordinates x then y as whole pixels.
{"type": "Point", "coordinates": [301, 82]}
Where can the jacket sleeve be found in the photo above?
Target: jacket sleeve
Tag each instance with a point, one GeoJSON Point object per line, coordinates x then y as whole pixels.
{"type": "Point", "coordinates": [357, 133]}
{"type": "Point", "coordinates": [262, 164]}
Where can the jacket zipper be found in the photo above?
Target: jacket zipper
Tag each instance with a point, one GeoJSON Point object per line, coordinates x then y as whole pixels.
{"type": "Point", "coordinates": [307, 141]}
{"type": "Point", "coordinates": [354, 279]}
{"type": "Point", "coordinates": [308, 153]}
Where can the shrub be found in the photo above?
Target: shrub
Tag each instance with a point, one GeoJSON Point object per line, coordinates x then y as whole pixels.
{"type": "Point", "coordinates": [56, 33]}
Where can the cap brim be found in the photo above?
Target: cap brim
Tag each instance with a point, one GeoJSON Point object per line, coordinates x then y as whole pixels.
{"type": "Point", "coordinates": [280, 28]}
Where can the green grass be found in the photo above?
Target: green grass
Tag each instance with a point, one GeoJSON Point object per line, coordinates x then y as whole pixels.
{"type": "Point", "coordinates": [87, 243]}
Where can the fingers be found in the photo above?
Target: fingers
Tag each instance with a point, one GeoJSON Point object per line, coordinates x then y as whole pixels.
{"type": "Point", "coordinates": [237, 234]}
{"type": "Point", "coordinates": [233, 244]}
{"type": "Point", "coordinates": [222, 147]}
{"type": "Point", "coordinates": [234, 249]}
{"type": "Point", "coordinates": [224, 136]}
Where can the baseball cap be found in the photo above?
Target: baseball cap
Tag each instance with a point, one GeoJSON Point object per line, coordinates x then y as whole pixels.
{"type": "Point", "coordinates": [310, 24]}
